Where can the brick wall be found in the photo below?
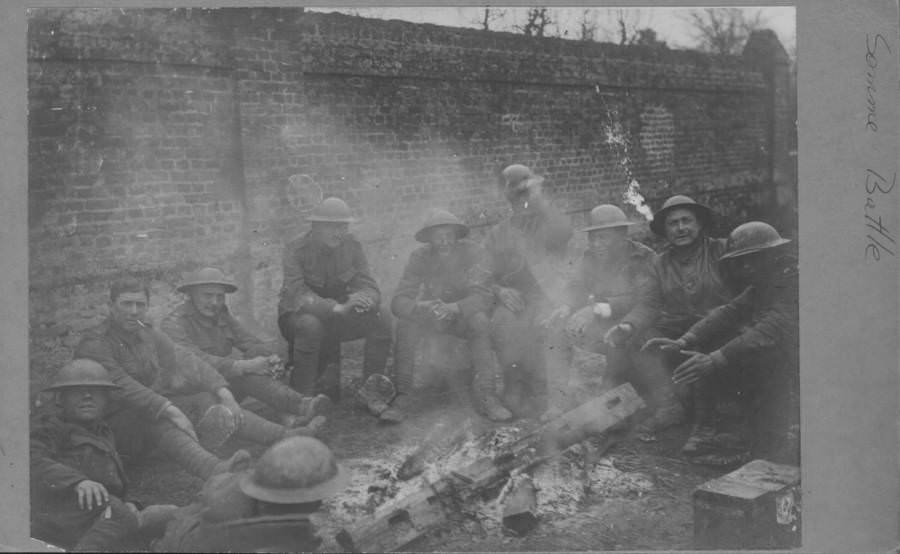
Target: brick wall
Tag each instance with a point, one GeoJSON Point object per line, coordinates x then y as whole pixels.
{"type": "Point", "coordinates": [161, 140]}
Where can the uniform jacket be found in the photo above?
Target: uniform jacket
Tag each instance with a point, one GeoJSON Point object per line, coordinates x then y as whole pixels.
{"type": "Point", "coordinates": [461, 277]}
{"type": "Point", "coordinates": [213, 340]}
{"type": "Point", "coordinates": [527, 251]}
{"type": "Point", "coordinates": [681, 292]}
{"type": "Point", "coordinates": [615, 282]}
{"type": "Point", "coordinates": [147, 365]}
{"type": "Point", "coordinates": [760, 319]}
{"type": "Point", "coordinates": [316, 278]}
{"type": "Point", "coordinates": [65, 453]}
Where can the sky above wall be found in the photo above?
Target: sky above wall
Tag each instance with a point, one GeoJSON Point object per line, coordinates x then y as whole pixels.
{"type": "Point", "coordinates": [671, 24]}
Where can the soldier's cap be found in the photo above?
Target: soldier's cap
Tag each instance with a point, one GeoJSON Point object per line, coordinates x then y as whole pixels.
{"type": "Point", "coordinates": [206, 276]}
{"type": "Point", "coordinates": [517, 178]}
{"type": "Point", "coordinates": [332, 210]}
{"type": "Point", "coordinates": [81, 372]}
{"type": "Point", "coordinates": [752, 237]}
{"type": "Point", "coordinates": [295, 470]}
{"type": "Point", "coordinates": [439, 217]}
{"type": "Point", "coordinates": [607, 216]}
{"type": "Point", "coordinates": [679, 201]}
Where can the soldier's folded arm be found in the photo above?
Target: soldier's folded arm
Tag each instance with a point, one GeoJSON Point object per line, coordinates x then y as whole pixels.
{"type": "Point", "coordinates": [294, 290]}
{"type": "Point", "coordinates": [362, 281]}
{"type": "Point", "coordinates": [173, 327]}
{"type": "Point", "coordinates": [132, 392]}
{"type": "Point", "coordinates": [403, 302]}
{"type": "Point", "coordinates": [50, 474]}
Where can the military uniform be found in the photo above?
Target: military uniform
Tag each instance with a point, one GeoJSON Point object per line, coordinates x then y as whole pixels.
{"type": "Point", "coordinates": [460, 277]}
{"type": "Point", "coordinates": [317, 278]}
{"type": "Point", "coordinates": [214, 341]}
{"type": "Point", "coordinates": [62, 455]}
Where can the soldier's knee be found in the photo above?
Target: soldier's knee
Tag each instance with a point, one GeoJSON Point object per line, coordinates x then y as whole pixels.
{"type": "Point", "coordinates": [306, 326]}
{"type": "Point", "coordinates": [122, 514]}
{"type": "Point", "coordinates": [479, 323]}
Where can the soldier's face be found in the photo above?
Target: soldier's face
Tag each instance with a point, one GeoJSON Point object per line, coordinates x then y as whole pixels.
{"type": "Point", "coordinates": [604, 241]}
{"type": "Point", "coordinates": [442, 239]}
{"type": "Point", "coordinates": [682, 227]}
{"type": "Point", "coordinates": [208, 299]}
{"type": "Point", "coordinates": [329, 233]}
{"type": "Point", "coordinates": [128, 309]}
{"type": "Point", "coordinates": [751, 269]}
{"type": "Point", "coordinates": [83, 404]}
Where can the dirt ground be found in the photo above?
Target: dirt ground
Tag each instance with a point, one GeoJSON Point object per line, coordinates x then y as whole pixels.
{"type": "Point", "coordinates": [636, 496]}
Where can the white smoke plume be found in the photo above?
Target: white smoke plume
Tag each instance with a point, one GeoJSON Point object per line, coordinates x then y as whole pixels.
{"type": "Point", "coordinates": [632, 197]}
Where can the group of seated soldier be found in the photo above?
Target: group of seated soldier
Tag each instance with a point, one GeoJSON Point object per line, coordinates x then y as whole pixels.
{"type": "Point", "coordinates": [703, 318]}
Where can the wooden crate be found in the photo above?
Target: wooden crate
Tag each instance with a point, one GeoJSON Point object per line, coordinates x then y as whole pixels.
{"type": "Point", "coordinates": [756, 506]}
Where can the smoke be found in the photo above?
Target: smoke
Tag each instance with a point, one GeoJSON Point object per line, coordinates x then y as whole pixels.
{"type": "Point", "coordinates": [632, 197]}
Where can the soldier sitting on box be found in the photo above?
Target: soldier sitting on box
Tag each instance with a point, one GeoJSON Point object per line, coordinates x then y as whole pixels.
{"type": "Point", "coordinates": [77, 480]}
{"type": "Point", "coordinates": [603, 289]}
{"type": "Point", "coordinates": [266, 509]}
{"type": "Point", "coordinates": [328, 296]}
{"type": "Point", "coordinates": [204, 324]}
{"type": "Point", "coordinates": [444, 289]}
{"type": "Point", "coordinates": [760, 351]}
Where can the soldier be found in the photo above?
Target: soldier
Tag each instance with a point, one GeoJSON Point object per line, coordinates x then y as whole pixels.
{"type": "Point", "coordinates": [684, 286]}
{"type": "Point", "coordinates": [267, 509]}
{"type": "Point", "coordinates": [159, 380]}
{"type": "Point", "coordinates": [77, 479]}
{"type": "Point", "coordinates": [444, 289]}
{"type": "Point", "coordinates": [753, 341]}
{"type": "Point", "coordinates": [204, 324]}
{"type": "Point", "coordinates": [526, 252]}
{"type": "Point", "coordinates": [602, 290]}
{"type": "Point", "coordinates": [329, 296]}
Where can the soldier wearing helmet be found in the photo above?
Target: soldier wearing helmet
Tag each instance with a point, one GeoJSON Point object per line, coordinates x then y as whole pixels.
{"type": "Point", "coordinates": [527, 255]}
{"type": "Point", "coordinates": [753, 341]}
{"type": "Point", "coordinates": [328, 296]}
{"type": "Point", "coordinates": [684, 285]}
{"type": "Point", "coordinates": [444, 289]}
{"type": "Point", "coordinates": [204, 324]}
{"type": "Point", "coordinates": [77, 479]}
{"type": "Point", "coordinates": [602, 290]}
{"type": "Point", "coordinates": [264, 509]}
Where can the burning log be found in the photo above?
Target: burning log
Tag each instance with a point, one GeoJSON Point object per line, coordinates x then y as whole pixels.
{"type": "Point", "coordinates": [406, 519]}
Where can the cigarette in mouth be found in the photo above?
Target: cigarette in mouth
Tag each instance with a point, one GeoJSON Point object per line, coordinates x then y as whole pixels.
{"type": "Point", "coordinates": [141, 323]}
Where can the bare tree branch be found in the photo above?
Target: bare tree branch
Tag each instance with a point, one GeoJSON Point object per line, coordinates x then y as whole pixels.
{"type": "Point", "coordinates": [723, 30]}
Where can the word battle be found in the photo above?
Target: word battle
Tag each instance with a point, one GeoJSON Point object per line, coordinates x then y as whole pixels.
{"type": "Point", "coordinates": [878, 238]}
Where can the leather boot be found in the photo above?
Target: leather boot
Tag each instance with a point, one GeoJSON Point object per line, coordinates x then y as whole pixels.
{"type": "Point", "coordinates": [486, 402]}
{"type": "Point", "coordinates": [186, 452]}
{"type": "Point", "coordinates": [259, 430]}
{"type": "Point", "coordinates": [704, 420]}
{"type": "Point", "coordinates": [215, 427]}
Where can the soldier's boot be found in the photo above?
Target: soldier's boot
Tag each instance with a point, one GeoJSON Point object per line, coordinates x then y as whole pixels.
{"type": "Point", "coordinates": [704, 420]}
{"type": "Point", "coordinates": [376, 351]}
{"type": "Point", "coordinates": [260, 430]}
{"type": "Point", "coordinates": [329, 380]}
{"type": "Point", "coordinates": [486, 401]}
{"type": "Point", "coordinates": [215, 427]}
{"type": "Point", "coordinates": [376, 394]}
{"type": "Point", "coordinates": [307, 409]}
{"type": "Point", "coordinates": [187, 452]}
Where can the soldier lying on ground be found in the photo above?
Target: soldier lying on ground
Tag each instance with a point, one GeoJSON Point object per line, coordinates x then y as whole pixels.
{"type": "Point", "coordinates": [444, 289]}
{"type": "Point", "coordinates": [525, 253]}
{"type": "Point", "coordinates": [328, 296]}
{"type": "Point", "coordinates": [266, 509]}
{"type": "Point", "coordinates": [683, 286]}
{"type": "Point", "coordinates": [752, 341]}
{"type": "Point", "coordinates": [159, 380]}
{"type": "Point", "coordinates": [602, 290]}
{"type": "Point", "coordinates": [77, 479]}
{"type": "Point", "coordinates": [204, 325]}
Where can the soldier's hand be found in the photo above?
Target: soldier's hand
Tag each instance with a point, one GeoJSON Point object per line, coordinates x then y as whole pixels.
{"type": "Point", "coordinates": [693, 369]}
{"type": "Point", "coordinates": [618, 334]}
{"type": "Point", "coordinates": [342, 309]}
{"type": "Point", "coordinates": [603, 310]}
{"type": "Point", "coordinates": [664, 344]}
{"type": "Point", "coordinates": [557, 314]}
{"type": "Point", "coordinates": [227, 400]}
{"type": "Point", "coordinates": [90, 494]}
{"type": "Point", "coordinates": [254, 366]}
{"type": "Point", "coordinates": [360, 302]}
{"type": "Point", "coordinates": [178, 419]}
{"type": "Point", "coordinates": [511, 298]}
{"type": "Point", "coordinates": [443, 311]}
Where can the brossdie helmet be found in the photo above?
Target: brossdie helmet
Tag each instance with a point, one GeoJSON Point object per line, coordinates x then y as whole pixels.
{"type": "Point", "coordinates": [296, 470]}
{"type": "Point", "coordinates": [703, 213]}
{"type": "Point", "coordinates": [750, 237]}
{"type": "Point", "coordinates": [206, 276]}
{"type": "Point", "coordinates": [441, 217]}
{"type": "Point", "coordinates": [82, 373]}
{"type": "Point", "coordinates": [606, 216]}
{"type": "Point", "coordinates": [332, 210]}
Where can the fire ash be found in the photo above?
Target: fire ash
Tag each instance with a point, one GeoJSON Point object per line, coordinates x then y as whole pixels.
{"type": "Point", "coordinates": [632, 197]}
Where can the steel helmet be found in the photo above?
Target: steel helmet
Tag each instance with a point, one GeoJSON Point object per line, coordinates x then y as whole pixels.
{"type": "Point", "coordinates": [295, 470]}
{"type": "Point", "coordinates": [439, 217]}
{"type": "Point", "coordinates": [606, 216]}
{"type": "Point", "coordinates": [332, 210]}
{"type": "Point", "coordinates": [751, 237]}
{"type": "Point", "coordinates": [517, 178]}
{"type": "Point", "coordinates": [704, 214]}
{"type": "Point", "coordinates": [82, 373]}
{"type": "Point", "coordinates": [206, 276]}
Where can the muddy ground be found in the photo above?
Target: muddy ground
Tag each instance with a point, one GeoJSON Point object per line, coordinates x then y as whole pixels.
{"type": "Point", "coordinates": [635, 496]}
